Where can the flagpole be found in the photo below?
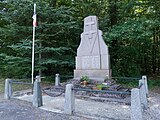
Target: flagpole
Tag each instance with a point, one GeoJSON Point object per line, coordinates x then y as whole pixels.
{"type": "Point", "coordinates": [34, 28]}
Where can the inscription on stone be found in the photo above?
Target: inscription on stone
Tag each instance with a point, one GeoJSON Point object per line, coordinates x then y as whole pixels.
{"type": "Point", "coordinates": [91, 62]}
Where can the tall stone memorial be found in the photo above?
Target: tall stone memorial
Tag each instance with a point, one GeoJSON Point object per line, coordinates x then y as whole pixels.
{"type": "Point", "coordinates": [92, 58]}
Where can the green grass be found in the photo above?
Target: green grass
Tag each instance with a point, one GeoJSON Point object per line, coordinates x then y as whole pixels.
{"type": "Point", "coordinates": [1, 88]}
{"type": "Point", "coordinates": [153, 83]}
{"type": "Point", "coordinates": [19, 87]}
{"type": "Point", "coordinates": [15, 87]}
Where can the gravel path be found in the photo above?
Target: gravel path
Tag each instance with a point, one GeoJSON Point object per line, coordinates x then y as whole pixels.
{"type": "Point", "coordinates": [153, 111]}
{"type": "Point", "coordinates": [15, 109]}
{"type": "Point", "coordinates": [21, 110]}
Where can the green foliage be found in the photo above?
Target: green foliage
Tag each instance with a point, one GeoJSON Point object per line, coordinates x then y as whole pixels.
{"type": "Point", "coordinates": [85, 78]}
{"type": "Point", "coordinates": [153, 83]}
{"type": "Point", "coordinates": [101, 86]}
{"type": "Point", "coordinates": [130, 29]}
{"type": "Point", "coordinates": [53, 33]}
{"type": "Point", "coordinates": [132, 48]}
{"type": "Point", "coordinates": [133, 38]}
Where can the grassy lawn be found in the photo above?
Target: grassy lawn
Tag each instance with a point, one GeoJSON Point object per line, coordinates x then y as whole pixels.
{"type": "Point", "coordinates": [1, 88]}
{"type": "Point", "coordinates": [15, 87]}
{"type": "Point", "coordinates": [18, 87]}
{"type": "Point", "coordinates": [153, 84]}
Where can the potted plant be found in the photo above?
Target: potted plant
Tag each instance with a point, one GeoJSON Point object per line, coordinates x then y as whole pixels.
{"type": "Point", "coordinates": [85, 80]}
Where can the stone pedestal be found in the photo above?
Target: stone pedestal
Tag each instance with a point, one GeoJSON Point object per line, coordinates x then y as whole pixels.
{"type": "Point", "coordinates": [93, 74]}
{"type": "Point", "coordinates": [93, 59]}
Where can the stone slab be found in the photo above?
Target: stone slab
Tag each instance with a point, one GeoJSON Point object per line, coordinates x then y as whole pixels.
{"type": "Point", "coordinates": [93, 62]}
{"type": "Point", "coordinates": [93, 74]}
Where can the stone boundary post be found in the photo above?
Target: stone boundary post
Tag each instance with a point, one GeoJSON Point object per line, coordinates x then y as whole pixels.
{"type": "Point", "coordinates": [38, 78]}
{"type": "Point", "coordinates": [57, 80]}
{"type": "Point", "coordinates": [37, 94]}
{"type": "Point", "coordinates": [69, 106]}
{"type": "Point", "coordinates": [143, 95]}
{"type": "Point", "coordinates": [8, 89]}
{"type": "Point", "coordinates": [145, 83]}
{"type": "Point", "coordinates": [136, 109]}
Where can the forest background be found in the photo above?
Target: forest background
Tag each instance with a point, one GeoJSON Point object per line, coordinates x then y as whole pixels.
{"type": "Point", "coordinates": [131, 29]}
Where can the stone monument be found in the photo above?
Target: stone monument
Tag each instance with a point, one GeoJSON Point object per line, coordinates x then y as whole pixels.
{"type": "Point", "coordinates": [92, 58]}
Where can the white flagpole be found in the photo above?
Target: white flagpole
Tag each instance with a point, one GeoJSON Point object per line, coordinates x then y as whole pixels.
{"type": "Point", "coordinates": [34, 28]}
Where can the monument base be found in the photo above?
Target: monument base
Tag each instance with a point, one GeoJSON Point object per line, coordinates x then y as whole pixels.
{"type": "Point", "coordinates": [99, 75]}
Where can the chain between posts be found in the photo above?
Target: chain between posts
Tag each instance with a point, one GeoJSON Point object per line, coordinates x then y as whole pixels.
{"type": "Point", "coordinates": [125, 78]}
{"type": "Point", "coordinates": [102, 91]}
{"type": "Point", "coordinates": [51, 95]}
{"type": "Point", "coordinates": [17, 82]}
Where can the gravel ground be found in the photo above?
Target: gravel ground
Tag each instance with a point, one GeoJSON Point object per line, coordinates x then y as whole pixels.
{"type": "Point", "coordinates": [20, 110]}
{"type": "Point", "coordinates": [153, 110]}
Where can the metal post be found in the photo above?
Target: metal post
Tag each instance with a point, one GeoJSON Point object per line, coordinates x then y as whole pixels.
{"type": "Point", "coordinates": [34, 29]}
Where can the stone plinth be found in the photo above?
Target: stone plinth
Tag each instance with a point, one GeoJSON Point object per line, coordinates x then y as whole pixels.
{"type": "Point", "coordinates": [93, 74]}
{"type": "Point", "coordinates": [93, 59]}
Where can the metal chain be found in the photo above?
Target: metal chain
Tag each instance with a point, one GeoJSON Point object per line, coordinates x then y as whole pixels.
{"type": "Point", "coordinates": [51, 94]}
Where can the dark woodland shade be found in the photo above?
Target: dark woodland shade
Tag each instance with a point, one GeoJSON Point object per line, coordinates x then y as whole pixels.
{"type": "Point", "coordinates": [130, 29]}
